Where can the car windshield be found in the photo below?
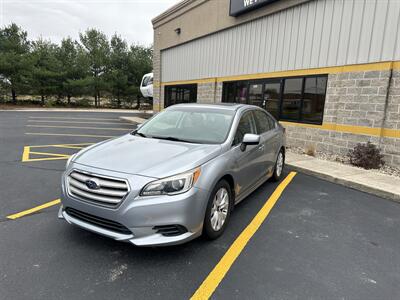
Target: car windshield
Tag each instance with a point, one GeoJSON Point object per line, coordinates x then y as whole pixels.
{"type": "Point", "coordinates": [194, 125]}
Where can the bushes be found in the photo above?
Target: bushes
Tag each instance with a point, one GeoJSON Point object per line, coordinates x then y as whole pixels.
{"type": "Point", "coordinates": [366, 156]}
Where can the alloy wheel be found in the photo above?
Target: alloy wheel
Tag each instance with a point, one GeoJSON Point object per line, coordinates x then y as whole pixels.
{"type": "Point", "coordinates": [279, 164]}
{"type": "Point", "coordinates": [219, 209]}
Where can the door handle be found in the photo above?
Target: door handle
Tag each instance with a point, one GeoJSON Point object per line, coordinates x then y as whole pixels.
{"type": "Point", "coordinates": [261, 147]}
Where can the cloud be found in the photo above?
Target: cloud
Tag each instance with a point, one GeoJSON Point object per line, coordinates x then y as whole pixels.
{"type": "Point", "coordinates": [57, 19]}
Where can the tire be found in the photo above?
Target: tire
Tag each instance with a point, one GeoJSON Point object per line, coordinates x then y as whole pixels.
{"type": "Point", "coordinates": [279, 165]}
{"type": "Point", "coordinates": [211, 228]}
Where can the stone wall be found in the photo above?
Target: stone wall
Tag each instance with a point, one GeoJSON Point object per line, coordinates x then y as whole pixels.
{"type": "Point", "coordinates": [391, 146]}
{"type": "Point", "coordinates": [157, 98]}
{"type": "Point", "coordinates": [356, 98]}
{"type": "Point", "coordinates": [209, 92]}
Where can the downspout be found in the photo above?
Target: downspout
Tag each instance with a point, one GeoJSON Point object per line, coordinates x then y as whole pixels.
{"type": "Point", "coordinates": [381, 135]}
{"type": "Point", "coordinates": [215, 90]}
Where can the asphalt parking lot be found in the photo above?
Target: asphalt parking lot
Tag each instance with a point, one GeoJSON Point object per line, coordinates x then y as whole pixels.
{"type": "Point", "coordinates": [319, 241]}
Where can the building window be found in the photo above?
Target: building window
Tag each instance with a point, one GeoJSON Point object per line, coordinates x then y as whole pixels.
{"type": "Point", "coordinates": [314, 99]}
{"type": "Point", "coordinates": [175, 94]}
{"type": "Point", "coordinates": [235, 92]}
{"type": "Point", "coordinates": [272, 97]}
{"type": "Point", "coordinates": [291, 100]}
{"type": "Point", "coordinates": [296, 99]}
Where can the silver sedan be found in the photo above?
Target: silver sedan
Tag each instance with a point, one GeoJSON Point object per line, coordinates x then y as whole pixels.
{"type": "Point", "coordinates": [175, 177]}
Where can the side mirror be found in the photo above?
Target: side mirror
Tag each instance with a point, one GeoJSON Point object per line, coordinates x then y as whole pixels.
{"type": "Point", "coordinates": [249, 139]}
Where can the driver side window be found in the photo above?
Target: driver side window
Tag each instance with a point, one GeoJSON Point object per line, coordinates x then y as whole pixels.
{"type": "Point", "coordinates": [246, 125]}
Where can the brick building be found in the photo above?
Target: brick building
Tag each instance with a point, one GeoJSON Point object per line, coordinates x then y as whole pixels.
{"type": "Point", "coordinates": [328, 70]}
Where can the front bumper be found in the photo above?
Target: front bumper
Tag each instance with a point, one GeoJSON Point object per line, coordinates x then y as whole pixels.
{"type": "Point", "coordinates": [141, 214]}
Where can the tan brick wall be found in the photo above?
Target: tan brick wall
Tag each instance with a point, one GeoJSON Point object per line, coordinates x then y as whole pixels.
{"type": "Point", "coordinates": [393, 109]}
{"type": "Point", "coordinates": [156, 77]}
{"type": "Point", "coordinates": [209, 92]}
{"type": "Point", "coordinates": [356, 98]}
{"type": "Point", "coordinates": [391, 146]}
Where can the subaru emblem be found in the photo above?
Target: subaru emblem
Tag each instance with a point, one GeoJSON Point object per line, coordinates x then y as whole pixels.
{"type": "Point", "coordinates": [92, 184]}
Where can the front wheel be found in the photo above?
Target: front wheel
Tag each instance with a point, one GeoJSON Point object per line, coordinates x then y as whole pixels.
{"type": "Point", "coordinates": [279, 164]}
{"type": "Point", "coordinates": [218, 210]}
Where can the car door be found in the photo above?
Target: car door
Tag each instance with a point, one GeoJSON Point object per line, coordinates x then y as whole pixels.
{"type": "Point", "coordinates": [247, 163]}
{"type": "Point", "coordinates": [274, 140]}
{"type": "Point", "coordinates": [263, 126]}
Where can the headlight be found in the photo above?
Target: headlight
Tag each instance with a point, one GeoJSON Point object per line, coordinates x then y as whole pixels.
{"type": "Point", "coordinates": [173, 185]}
{"type": "Point", "coordinates": [69, 160]}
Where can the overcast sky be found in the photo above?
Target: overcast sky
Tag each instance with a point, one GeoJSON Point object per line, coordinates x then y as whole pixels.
{"type": "Point", "coordinates": [55, 19]}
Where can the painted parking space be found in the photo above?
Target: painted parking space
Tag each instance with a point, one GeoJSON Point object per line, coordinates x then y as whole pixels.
{"type": "Point", "coordinates": [51, 152]}
{"type": "Point", "coordinates": [306, 238]}
{"type": "Point", "coordinates": [34, 157]}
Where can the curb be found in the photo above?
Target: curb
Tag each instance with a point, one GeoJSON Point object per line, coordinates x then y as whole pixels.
{"type": "Point", "coordinates": [134, 120]}
{"type": "Point", "coordinates": [348, 183]}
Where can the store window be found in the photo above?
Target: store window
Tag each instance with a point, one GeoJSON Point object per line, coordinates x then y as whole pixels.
{"type": "Point", "coordinates": [291, 100]}
{"type": "Point", "coordinates": [235, 92]}
{"type": "Point", "coordinates": [272, 97]}
{"type": "Point", "coordinates": [296, 99]}
{"type": "Point", "coordinates": [255, 94]}
{"type": "Point", "coordinates": [175, 94]}
{"type": "Point", "coordinates": [314, 99]}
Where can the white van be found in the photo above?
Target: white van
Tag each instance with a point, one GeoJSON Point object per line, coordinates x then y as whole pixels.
{"type": "Point", "coordinates": [146, 86]}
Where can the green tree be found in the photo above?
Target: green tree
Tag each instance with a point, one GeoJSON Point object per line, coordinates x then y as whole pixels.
{"type": "Point", "coordinates": [140, 62]}
{"type": "Point", "coordinates": [15, 61]}
{"type": "Point", "coordinates": [118, 71]}
{"type": "Point", "coordinates": [73, 68]}
{"type": "Point", "coordinates": [46, 70]}
{"type": "Point", "coordinates": [97, 51]}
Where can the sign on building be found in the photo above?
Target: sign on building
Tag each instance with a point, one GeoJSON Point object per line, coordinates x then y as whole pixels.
{"type": "Point", "coordinates": [238, 7]}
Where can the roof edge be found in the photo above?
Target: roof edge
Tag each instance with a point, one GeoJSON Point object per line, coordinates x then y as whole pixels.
{"type": "Point", "coordinates": [171, 10]}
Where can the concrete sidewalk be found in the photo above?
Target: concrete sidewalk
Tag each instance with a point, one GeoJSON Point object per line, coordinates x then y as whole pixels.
{"type": "Point", "coordinates": [364, 180]}
{"type": "Point", "coordinates": [136, 120]}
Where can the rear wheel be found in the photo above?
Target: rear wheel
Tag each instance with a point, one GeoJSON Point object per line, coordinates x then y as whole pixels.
{"type": "Point", "coordinates": [218, 210]}
{"type": "Point", "coordinates": [279, 164]}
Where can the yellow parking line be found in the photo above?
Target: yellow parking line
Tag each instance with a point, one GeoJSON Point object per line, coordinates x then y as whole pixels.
{"type": "Point", "coordinates": [77, 122]}
{"type": "Point", "coordinates": [212, 281]}
{"type": "Point", "coordinates": [50, 154]}
{"type": "Point", "coordinates": [48, 158]}
{"type": "Point", "coordinates": [70, 134]}
{"type": "Point", "coordinates": [25, 154]}
{"type": "Point", "coordinates": [68, 146]}
{"type": "Point", "coordinates": [78, 127]}
{"type": "Point", "coordinates": [53, 156]}
{"type": "Point", "coordinates": [77, 146]}
{"type": "Point", "coordinates": [72, 118]}
{"type": "Point", "coordinates": [34, 209]}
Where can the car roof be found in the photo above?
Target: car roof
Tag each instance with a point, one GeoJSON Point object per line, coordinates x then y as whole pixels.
{"type": "Point", "coordinates": [227, 106]}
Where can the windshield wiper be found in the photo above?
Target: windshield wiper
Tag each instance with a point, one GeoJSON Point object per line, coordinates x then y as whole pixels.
{"type": "Point", "coordinates": [171, 138]}
{"type": "Point", "coordinates": [135, 132]}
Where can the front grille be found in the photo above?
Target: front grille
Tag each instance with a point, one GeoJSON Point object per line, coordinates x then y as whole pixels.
{"type": "Point", "coordinates": [108, 192]}
{"type": "Point", "coordinates": [170, 230]}
{"type": "Point", "coordinates": [97, 221]}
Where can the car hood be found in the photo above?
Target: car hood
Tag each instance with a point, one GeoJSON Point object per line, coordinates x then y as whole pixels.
{"type": "Point", "coordinates": [146, 156]}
